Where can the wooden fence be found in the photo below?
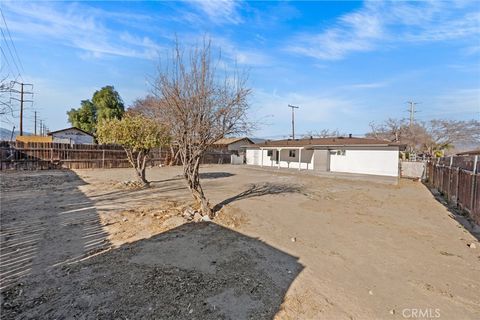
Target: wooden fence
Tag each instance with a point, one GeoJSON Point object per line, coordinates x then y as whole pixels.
{"type": "Point", "coordinates": [457, 178]}
{"type": "Point", "coordinates": [37, 155]}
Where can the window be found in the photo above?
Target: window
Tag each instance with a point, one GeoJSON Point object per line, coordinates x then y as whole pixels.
{"type": "Point", "coordinates": [269, 153]}
{"type": "Point", "coordinates": [340, 152]}
{"type": "Point", "coordinates": [292, 153]}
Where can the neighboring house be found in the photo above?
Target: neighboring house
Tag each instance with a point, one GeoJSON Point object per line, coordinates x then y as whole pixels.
{"type": "Point", "coordinates": [232, 145]}
{"type": "Point", "coordinates": [469, 153]}
{"type": "Point", "coordinates": [340, 154]}
{"type": "Point", "coordinates": [72, 135]}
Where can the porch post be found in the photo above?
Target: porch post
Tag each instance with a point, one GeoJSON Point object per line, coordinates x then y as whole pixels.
{"type": "Point", "coordinates": [261, 163]}
{"type": "Point", "coordinates": [279, 156]}
{"type": "Point", "coordinates": [299, 158]}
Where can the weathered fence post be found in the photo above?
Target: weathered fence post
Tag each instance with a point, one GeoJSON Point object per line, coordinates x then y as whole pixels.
{"type": "Point", "coordinates": [457, 187]}
{"type": "Point", "coordinates": [474, 177]}
{"type": "Point", "coordinates": [449, 179]}
{"type": "Point", "coordinates": [103, 158]}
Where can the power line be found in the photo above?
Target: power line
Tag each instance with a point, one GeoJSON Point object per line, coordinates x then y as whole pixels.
{"type": "Point", "coordinates": [22, 100]}
{"type": "Point", "coordinates": [6, 62]}
{"type": "Point", "coordinates": [11, 40]}
{"type": "Point", "coordinates": [10, 51]}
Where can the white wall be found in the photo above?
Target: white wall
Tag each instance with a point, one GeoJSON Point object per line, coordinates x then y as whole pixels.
{"type": "Point", "coordinates": [234, 159]}
{"type": "Point", "coordinates": [382, 161]}
{"type": "Point", "coordinates": [254, 157]}
{"type": "Point", "coordinates": [412, 169]}
{"type": "Point", "coordinates": [73, 136]}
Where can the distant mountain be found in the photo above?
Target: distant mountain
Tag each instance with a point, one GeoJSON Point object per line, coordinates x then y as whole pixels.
{"type": "Point", "coordinates": [5, 134]}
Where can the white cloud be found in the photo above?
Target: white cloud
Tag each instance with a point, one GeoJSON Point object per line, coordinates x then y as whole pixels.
{"type": "Point", "coordinates": [78, 27]}
{"type": "Point", "coordinates": [230, 51]}
{"type": "Point", "coordinates": [380, 24]}
{"type": "Point", "coordinates": [219, 11]}
{"type": "Point", "coordinates": [243, 56]}
{"type": "Point", "coordinates": [369, 85]}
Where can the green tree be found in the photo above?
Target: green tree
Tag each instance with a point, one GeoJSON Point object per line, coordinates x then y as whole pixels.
{"type": "Point", "coordinates": [137, 135]}
{"type": "Point", "coordinates": [84, 117]}
{"type": "Point", "coordinates": [106, 103]}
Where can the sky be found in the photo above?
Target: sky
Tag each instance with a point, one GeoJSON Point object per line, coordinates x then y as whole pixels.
{"type": "Point", "coordinates": [345, 64]}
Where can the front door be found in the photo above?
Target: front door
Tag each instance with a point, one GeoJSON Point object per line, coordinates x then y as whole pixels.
{"type": "Point", "coordinates": [277, 156]}
{"type": "Point", "coordinates": [321, 160]}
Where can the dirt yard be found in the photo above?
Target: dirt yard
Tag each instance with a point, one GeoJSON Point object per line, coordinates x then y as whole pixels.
{"type": "Point", "coordinates": [84, 245]}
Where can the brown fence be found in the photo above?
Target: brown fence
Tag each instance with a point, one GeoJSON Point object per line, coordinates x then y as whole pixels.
{"type": "Point", "coordinates": [458, 180]}
{"type": "Point", "coordinates": [36, 155]}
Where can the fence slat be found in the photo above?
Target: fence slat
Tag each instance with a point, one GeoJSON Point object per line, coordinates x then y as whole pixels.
{"type": "Point", "coordinates": [47, 155]}
{"type": "Point", "coordinates": [458, 180]}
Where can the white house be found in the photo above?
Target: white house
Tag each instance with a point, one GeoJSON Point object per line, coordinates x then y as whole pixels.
{"type": "Point", "coordinates": [234, 147]}
{"type": "Point", "coordinates": [72, 135]}
{"type": "Point", "coordinates": [233, 144]}
{"type": "Point", "coordinates": [340, 154]}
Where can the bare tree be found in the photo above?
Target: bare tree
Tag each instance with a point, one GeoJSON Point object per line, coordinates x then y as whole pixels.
{"type": "Point", "coordinates": [324, 133]}
{"type": "Point", "coordinates": [445, 134]}
{"type": "Point", "coordinates": [6, 109]}
{"type": "Point", "coordinates": [391, 130]}
{"type": "Point", "coordinates": [201, 105]}
{"type": "Point", "coordinates": [428, 137]}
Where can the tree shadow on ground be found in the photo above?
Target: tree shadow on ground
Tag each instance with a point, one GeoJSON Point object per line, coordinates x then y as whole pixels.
{"type": "Point", "coordinates": [258, 190]}
{"type": "Point", "coordinates": [215, 175]}
{"type": "Point", "coordinates": [457, 214]}
{"type": "Point", "coordinates": [125, 194]}
{"type": "Point", "coordinates": [45, 221]}
{"type": "Point", "coordinates": [197, 270]}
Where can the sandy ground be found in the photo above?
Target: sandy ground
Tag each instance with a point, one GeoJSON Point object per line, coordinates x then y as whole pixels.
{"type": "Point", "coordinates": [287, 246]}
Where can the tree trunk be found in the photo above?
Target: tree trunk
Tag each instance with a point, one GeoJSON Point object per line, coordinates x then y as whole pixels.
{"type": "Point", "coordinates": [191, 173]}
{"type": "Point", "coordinates": [141, 176]}
{"type": "Point", "coordinates": [141, 166]}
{"type": "Point", "coordinates": [172, 156]}
{"type": "Point", "coordinates": [138, 163]}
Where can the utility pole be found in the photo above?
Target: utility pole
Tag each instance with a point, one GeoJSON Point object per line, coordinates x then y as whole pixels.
{"type": "Point", "coordinates": [35, 125]}
{"type": "Point", "coordinates": [21, 110]}
{"type": "Point", "coordinates": [412, 111]}
{"type": "Point", "coordinates": [22, 100]}
{"type": "Point", "coordinates": [293, 120]}
{"type": "Point", "coordinates": [40, 128]}
{"type": "Point", "coordinates": [13, 132]}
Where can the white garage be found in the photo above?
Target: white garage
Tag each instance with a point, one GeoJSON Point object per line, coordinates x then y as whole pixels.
{"type": "Point", "coordinates": [341, 154]}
